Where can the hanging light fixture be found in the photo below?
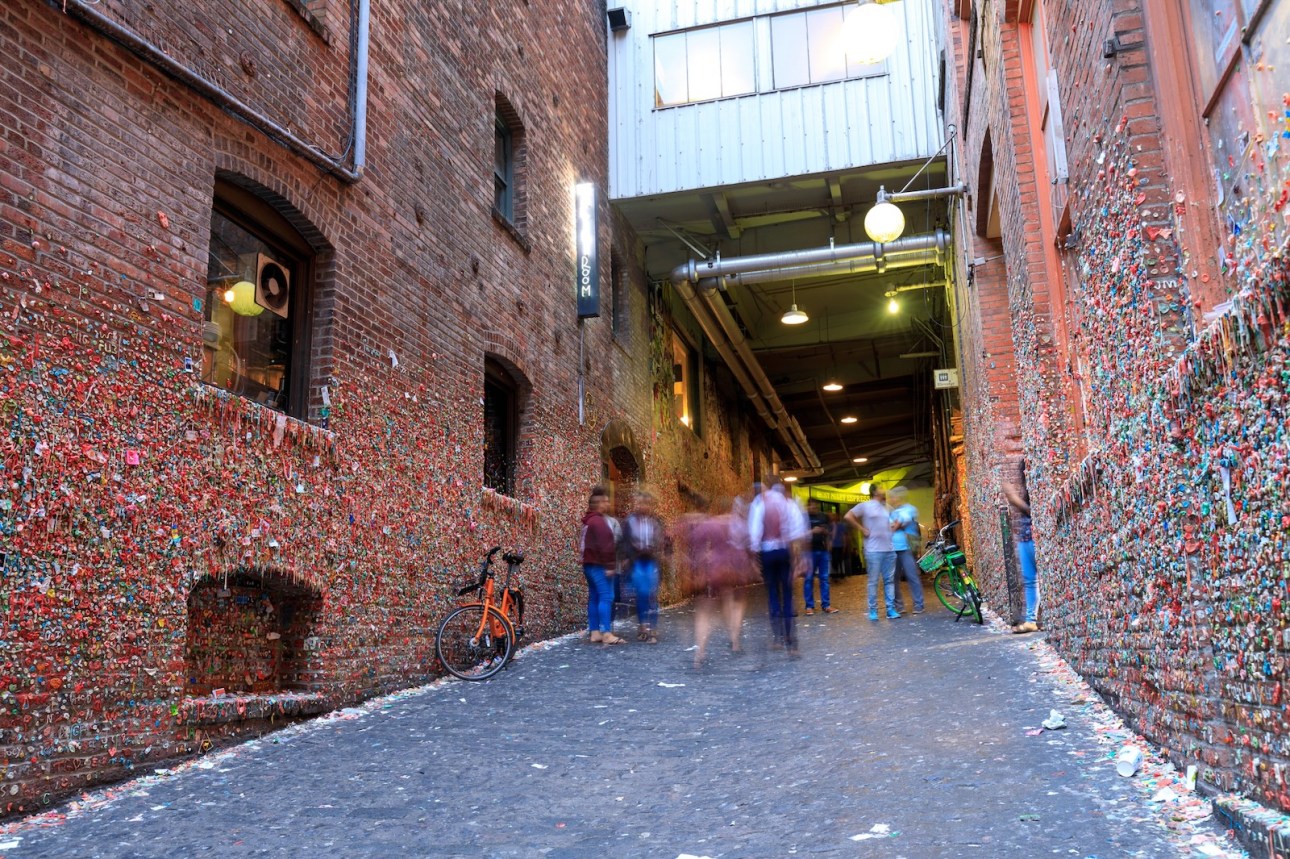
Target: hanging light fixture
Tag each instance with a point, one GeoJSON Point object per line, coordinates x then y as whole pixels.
{"type": "Point", "coordinates": [833, 386]}
{"type": "Point", "coordinates": [884, 222]}
{"type": "Point", "coordinates": [871, 32]}
{"type": "Point", "coordinates": [850, 419]}
{"type": "Point", "coordinates": [893, 306]}
{"type": "Point", "coordinates": [793, 316]}
{"type": "Point", "coordinates": [859, 460]}
{"type": "Point", "coordinates": [241, 297]}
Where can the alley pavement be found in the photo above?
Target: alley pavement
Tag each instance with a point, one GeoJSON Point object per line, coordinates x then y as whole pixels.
{"type": "Point", "coordinates": [918, 737]}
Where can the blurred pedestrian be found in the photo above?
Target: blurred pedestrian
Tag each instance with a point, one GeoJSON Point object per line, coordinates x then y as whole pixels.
{"type": "Point", "coordinates": [775, 528]}
{"type": "Point", "coordinates": [906, 539]}
{"type": "Point", "coordinates": [840, 550]}
{"type": "Point", "coordinates": [821, 535]}
{"type": "Point", "coordinates": [599, 563]}
{"type": "Point", "coordinates": [643, 541]}
{"type": "Point", "coordinates": [720, 566]}
{"type": "Point", "coordinates": [873, 520]}
{"type": "Point", "coordinates": [1018, 495]}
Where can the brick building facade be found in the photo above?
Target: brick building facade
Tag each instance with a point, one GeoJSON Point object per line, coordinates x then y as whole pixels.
{"type": "Point", "coordinates": [228, 504]}
{"type": "Point", "coordinates": [1125, 332]}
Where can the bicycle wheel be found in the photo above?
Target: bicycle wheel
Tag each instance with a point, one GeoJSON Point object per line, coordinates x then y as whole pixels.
{"type": "Point", "coordinates": [473, 646]}
{"type": "Point", "coordinates": [957, 595]}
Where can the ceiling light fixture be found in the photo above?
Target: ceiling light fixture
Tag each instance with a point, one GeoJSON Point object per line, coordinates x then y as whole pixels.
{"type": "Point", "coordinates": [833, 386]}
{"type": "Point", "coordinates": [793, 316]}
{"type": "Point", "coordinates": [884, 222]}
{"type": "Point", "coordinates": [871, 33]}
{"type": "Point", "coordinates": [860, 459]}
{"type": "Point", "coordinates": [893, 306]}
{"type": "Point", "coordinates": [850, 419]}
{"type": "Point", "coordinates": [790, 478]}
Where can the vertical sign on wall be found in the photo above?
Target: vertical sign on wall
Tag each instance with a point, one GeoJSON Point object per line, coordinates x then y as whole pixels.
{"type": "Point", "coordinates": [588, 268]}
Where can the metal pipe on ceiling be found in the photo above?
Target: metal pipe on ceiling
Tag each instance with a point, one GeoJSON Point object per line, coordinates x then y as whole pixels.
{"type": "Point", "coordinates": [912, 259]}
{"type": "Point", "coordinates": [714, 334]}
{"type": "Point", "coordinates": [693, 270]}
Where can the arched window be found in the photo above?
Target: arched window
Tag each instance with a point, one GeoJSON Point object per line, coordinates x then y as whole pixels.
{"type": "Point", "coordinates": [258, 304]}
{"type": "Point", "coordinates": [501, 427]}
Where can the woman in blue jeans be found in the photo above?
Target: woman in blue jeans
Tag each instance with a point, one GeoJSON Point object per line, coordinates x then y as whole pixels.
{"type": "Point", "coordinates": [1018, 496]}
{"type": "Point", "coordinates": [599, 559]}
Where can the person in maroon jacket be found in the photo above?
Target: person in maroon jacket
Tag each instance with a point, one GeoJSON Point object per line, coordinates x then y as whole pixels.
{"type": "Point", "coordinates": [599, 560]}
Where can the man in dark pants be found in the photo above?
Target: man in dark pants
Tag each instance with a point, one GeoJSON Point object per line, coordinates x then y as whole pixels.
{"type": "Point", "coordinates": [776, 527]}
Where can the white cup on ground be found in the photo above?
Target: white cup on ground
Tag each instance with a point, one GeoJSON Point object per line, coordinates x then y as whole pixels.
{"type": "Point", "coordinates": [1128, 760]}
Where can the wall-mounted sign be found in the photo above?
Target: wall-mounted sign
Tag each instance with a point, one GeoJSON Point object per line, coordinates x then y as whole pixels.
{"type": "Point", "coordinates": [588, 267]}
{"type": "Point", "coordinates": [945, 378]}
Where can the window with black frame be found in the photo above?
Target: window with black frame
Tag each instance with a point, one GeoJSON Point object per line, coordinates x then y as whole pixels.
{"type": "Point", "coordinates": [501, 427]}
{"type": "Point", "coordinates": [504, 170]}
{"type": "Point", "coordinates": [254, 339]}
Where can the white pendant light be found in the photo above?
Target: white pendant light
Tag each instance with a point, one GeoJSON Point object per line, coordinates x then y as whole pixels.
{"type": "Point", "coordinates": [793, 316]}
{"type": "Point", "coordinates": [832, 386]}
{"type": "Point", "coordinates": [871, 32]}
{"type": "Point", "coordinates": [884, 222]}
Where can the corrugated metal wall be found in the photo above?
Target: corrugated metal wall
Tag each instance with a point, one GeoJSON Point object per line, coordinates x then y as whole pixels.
{"type": "Point", "coordinates": [769, 135]}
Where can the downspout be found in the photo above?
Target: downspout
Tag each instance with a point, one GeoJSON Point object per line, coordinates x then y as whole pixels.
{"type": "Point", "coordinates": [360, 87]}
{"type": "Point", "coordinates": [225, 100]}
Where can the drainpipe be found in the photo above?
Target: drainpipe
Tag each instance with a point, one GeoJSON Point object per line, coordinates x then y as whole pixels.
{"type": "Point", "coordinates": [225, 100]}
{"type": "Point", "coordinates": [360, 86]}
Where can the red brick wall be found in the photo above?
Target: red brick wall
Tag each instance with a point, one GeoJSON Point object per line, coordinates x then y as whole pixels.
{"type": "Point", "coordinates": [129, 483]}
{"type": "Point", "coordinates": [1172, 608]}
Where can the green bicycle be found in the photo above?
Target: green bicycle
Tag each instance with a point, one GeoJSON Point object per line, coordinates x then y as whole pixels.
{"type": "Point", "coordinates": [953, 582]}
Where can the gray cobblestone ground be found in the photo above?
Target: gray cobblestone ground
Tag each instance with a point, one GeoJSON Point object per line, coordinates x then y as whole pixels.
{"type": "Point", "coordinates": [921, 725]}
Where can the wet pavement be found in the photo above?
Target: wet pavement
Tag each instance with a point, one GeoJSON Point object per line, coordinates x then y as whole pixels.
{"type": "Point", "coordinates": [918, 737]}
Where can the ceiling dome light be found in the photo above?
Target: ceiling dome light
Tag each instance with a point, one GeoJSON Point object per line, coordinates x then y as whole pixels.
{"type": "Point", "coordinates": [884, 222]}
{"type": "Point", "coordinates": [850, 419]}
{"type": "Point", "coordinates": [790, 478]}
{"type": "Point", "coordinates": [793, 316]}
{"type": "Point", "coordinates": [833, 386]}
{"type": "Point", "coordinates": [871, 32]}
{"type": "Point", "coordinates": [860, 459]}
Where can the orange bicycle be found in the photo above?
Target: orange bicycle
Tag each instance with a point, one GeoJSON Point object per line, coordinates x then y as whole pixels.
{"type": "Point", "coordinates": [478, 639]}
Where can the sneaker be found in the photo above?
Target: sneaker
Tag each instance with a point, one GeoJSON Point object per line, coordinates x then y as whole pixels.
{"type": "Point", "coordinates": [893, 615]}
{"type": "Point", "coordinates": [918, 611]}
{"type": "Point", "coordinates": [1028, 626]}
{"type": "Point", "coordinates": [830, 610]}
{"type": "Point", "coordinates": [873, 615]}
{"type": "Point", "coordinates": [810, 611]}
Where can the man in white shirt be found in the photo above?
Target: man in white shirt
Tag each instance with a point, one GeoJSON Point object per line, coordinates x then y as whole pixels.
{"type": "Point", "coordinates": [873, 519]}
{"type": "Point", "coordinates": [776, 528]}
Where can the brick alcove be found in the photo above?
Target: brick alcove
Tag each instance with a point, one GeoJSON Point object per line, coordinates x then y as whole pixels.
{"type": "Point", "coordinates": [248, 634]}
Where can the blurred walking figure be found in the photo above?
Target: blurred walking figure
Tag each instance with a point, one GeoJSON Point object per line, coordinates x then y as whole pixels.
{"type": "Point", "coordinates": [906, 539]}
{"type": "Point", "coordinates": [599, 562]}
{"type": "Point", "coordinates": [644, 540]}
{"type": "Point", "coordinates": [873, 520]}
{"type": "Point", "coordinates": [775, 527]}
{"type": "Point", "coordinates": [840, 560]}
{"type": "Point", "coordinates": [719, 568]}
{"type": "Point", "coordinates": [818, 570]}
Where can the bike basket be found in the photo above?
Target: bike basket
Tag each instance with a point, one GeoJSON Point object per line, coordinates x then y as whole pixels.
{"type": "Point", "coordinates": [957, 558]}
{"type": "Point", "coordinates": [932, 560]}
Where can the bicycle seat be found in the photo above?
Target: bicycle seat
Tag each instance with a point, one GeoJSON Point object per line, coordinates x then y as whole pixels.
{"type": "Point", "coordinates": [513, 557]}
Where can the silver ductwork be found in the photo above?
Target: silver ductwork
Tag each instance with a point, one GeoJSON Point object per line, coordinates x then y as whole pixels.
{"type": "Point", "coordinates": [693, 270]}
{"type": "Point", "coordinates": [694, 282]}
